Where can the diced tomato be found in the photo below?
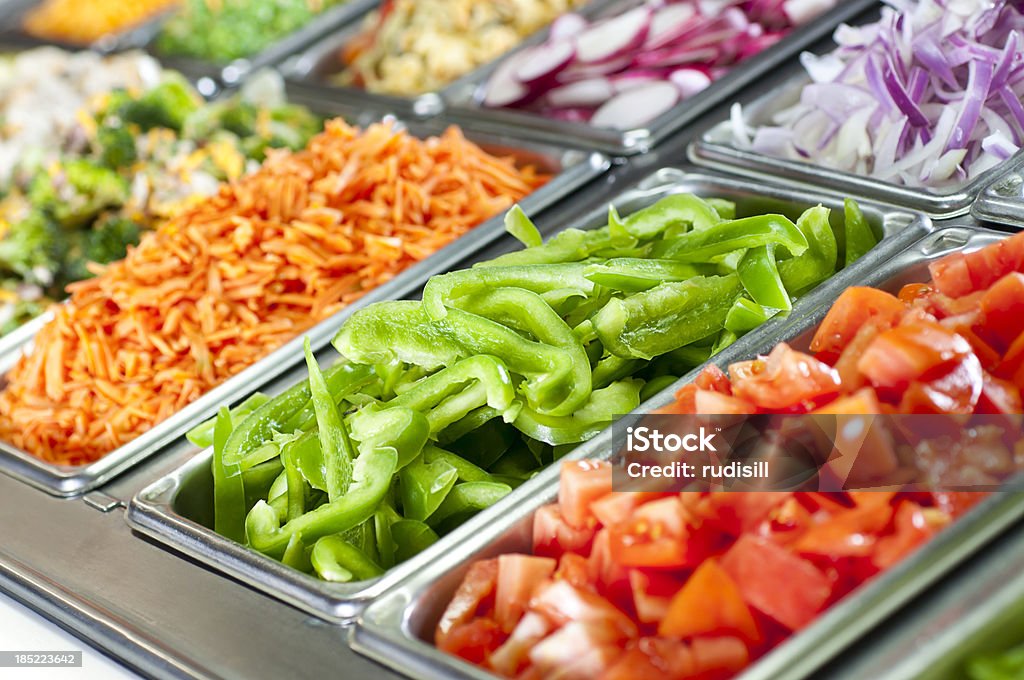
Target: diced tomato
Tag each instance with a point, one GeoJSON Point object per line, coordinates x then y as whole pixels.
{"type": "Point", "coordinates": [853, 309]}
{"type": "Point", "coordinates": [912, 292]}
{"type": "Point", "coordinates": [909, 352]}
{"type": "Point", "coordinates": [619, 506]}
{"type": "Point", "coordinates": [552, 536]}
{"type": "Point", "coordinates": [476, 589]}
{"type": "Point", "coordinates": [913, 526]}
{"type": "Point", "coordinates": [1012, 360]}
{"type": "Point", "coordinates": [514, 653]}
{"type": "Point", "coordinates": [999, 397]}
{"type": "Point", "coordinates": [685, 402]}
{"type": "Point", "coordinates": [962, 326]}
{"type": "Point", "coordinates": [958, 391]}
{"type": "Point", "coordinates": [789, 379]}
{"type": "Point", "coordinates": [862, 402]}
{"type": "Point", "coordinates": [656, 535]}
{"type": "Point", "coordinates": [712, 378]}
{"type": "Point", "coordinates": [604, 570]}
{"type": "Point", "coordinates": [473, 641]}
{"type": "Point", "coordinates": [951, 275]}
{"type": "Point", "coordinates": [1003, 306]}
{"type": "Point", "coordinates": [848, 533]}
{"type": "Point", "coordinates": [735, 512]}
{"type": "Point", "coordinates": [654, 658]}
{"type": "Point", "coordinates": [776, 582]}
{"type": "Point", "coordinates": [652, 592]}
{"type": "Point", "coordinates": [563, 602]}
{"type": "Point", "coordinates": [580, 650]}
{"type": "Point", "coordinates": [716, 403]}
{"type": "Point", "coordinates": [518, 577]}
{"type": "Point", "coordinates": [573, 568]}
{"type": "Point", "coordinates": [709, 603]}
{"type": "Point", "coordinates": [956, 503]}
{"type": "Point", "coordinates": [581, 483]}
{"type": "Point", "coordinates": [719, 657]}
{"type": "Point", "coordinates": [845, 366]}
{"type": "Point", "coordinates": [667, 514]}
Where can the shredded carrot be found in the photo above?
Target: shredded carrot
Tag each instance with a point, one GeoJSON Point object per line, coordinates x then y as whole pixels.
{"type": "Point", "coordinates": [236, 276]}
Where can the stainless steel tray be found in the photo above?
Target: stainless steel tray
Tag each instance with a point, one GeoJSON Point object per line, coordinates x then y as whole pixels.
{"type": "Point", "coordinates": [320, 61]}
{"type": "Point", "coordinates": [1002, 202]}
{"type": "Point", "coordinates": [714, 148]}
{"type": "Point", "coordinates": [980, 611]}
{"type": "Point", "coordinates": [394, 630]}
{"type": "Point", "coordinates": [173, 509]}
{"type": "Point", "coordinates": [462, 98]}
{"type": "Point", "coordinates": [572, 170]}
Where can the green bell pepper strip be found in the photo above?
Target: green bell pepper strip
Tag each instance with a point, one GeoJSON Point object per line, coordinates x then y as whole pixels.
{"type": "Point", "coordinates": [387, 332]}
{"type": "Point", "coordinates": [258, 480]}
{"type": "Point", "coordinates": [411, 538]}
{"type": "Point", "coordinates": [403, 429]}
{"type": "Point", "coordinates": [228, 485]}
{"type": "Point", "coordinates": [745, 315]}
{"type": "Point", "coordinates": [672, 211]}
{"type": "Point", "coordinates": [202, 435]}
{"type": "Point", "coordinates": [522, 227]}
{"type": "Point", "coordinates": [612, 368]}
{"type": "Point", "coordinates": [465, 500]}
{"type": "Point", "coordinates": [570, 245]}
{"type": "Point", "coordinates": [819, 261]}
{"type": "Point", "coordinates": [473, 422]}
{"type": "Point", "coordinates": [725, 237]}
{"type": "Point", "coordinates": [686, 358]}
{"type": "Point", "coordinates": [296, 482]}
{"type": "Point", "coordinates": [445, 290]}
{"type": "Point", "coordinates": [337, 560]}
{"type": "Point", "coordinates": [665, 318]}
{"type": "Point", "coordinates": [859, 237]}
{"type": "Point", "coordinates": [656, 385]}
{"type": "Point", "coordinates": [383, 520]}
{"type": "Point", "coordinates": [484, 444]}
{"type": "Point", "coordinates": [725, 209]}
{"type": "Point", "coordinates": [423, 486]}
{"type": "Point", "coordinates": [635, 275]}
{"type": "Point", "coordinates": [525, 311]}
{"type": "Point", "coordinates": [295, 555]}
{"type": "Point", "coordinates": [335, 446]}
{"type": "Point", "coordinates": [617, 399]}
{"type": "Point", "coordinates": [432, 390]}
{"type": "Point", "coordinates": [372, 475]}
{"type": "Point", "coordinates": [759, 274]}
{"type": "Point", "coordinates": [466, 471]}
{"type": "Point", "coordinates": [259, 427]}
{"type": "Point", "coordinates": [725, 338]}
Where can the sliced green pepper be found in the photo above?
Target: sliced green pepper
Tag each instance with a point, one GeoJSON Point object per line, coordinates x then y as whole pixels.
{"type": "Point", "coordinates": [745, 315]}
{"type": "Point", "coordinates": [335, 446]}
{"type": "Point", "coordinates": [228, 487]}
{"type": "Point", "coordinates": [859, 237]}
{"type": "Point", "coordinates": [819, 261]}
{"type": "Point", "coordinates": [726, 237]}
{"type": "Point", "coordinates": [411, 538]}
{"type": "Point", "coordinates": [202, 435]}
{"type": "Point", "coordinates": [424, 486]}
{"type": "Point", "coordinates": [617, 399]}
{"type": "Point", "coordinates": [468, 498]}
{"type": "Point", "coordinates": [633, 275]}
{"type": "Point", "coordinates": [335, 559]}
{"type": "Point", "coordinates": [759, 274]}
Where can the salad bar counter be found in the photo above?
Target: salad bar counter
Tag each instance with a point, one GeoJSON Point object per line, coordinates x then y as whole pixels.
{"type": "Point", "coordinates": [320, 321]}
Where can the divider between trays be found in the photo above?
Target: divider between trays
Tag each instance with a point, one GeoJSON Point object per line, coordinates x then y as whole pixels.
{"type": "Point", "coordinates": [572, 170]}
{"type": "Point", "coordinates": [391, 630]}
{"type": "Point", "coordinates": [154, 510]}
{"type": "Point", "coordinates": [713, 147]}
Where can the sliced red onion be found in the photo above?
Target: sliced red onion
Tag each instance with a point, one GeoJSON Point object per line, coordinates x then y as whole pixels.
{"type": "Point", "coordinates": [636, 107]}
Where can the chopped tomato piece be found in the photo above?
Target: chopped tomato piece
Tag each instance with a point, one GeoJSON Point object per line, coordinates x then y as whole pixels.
{"type": "Point", "coordinates": [712, 378]}
{"type": "Point", "coordinates": [582, 482]}
{"type": "Point", "coordinates": [845, 366]}
{"type": "Point", "coordinates": [580, 650]}
{"type": "Point", "coordinates": [718, 657]}
{"type": "Point", "coordinates": [563, 602]}
{"type": "Point", "coordinates": [476, 589]}
{"type": "Point", "coordinates": [908, 352]}
{"type": "Point", "coordinates": [848, 533]}
{"type": "Point", "coordinates": [552, 535]}
{"type": "Point", "coordinates": [518, 577]}
{"type": "Point", "coordinates": [1003, 307]}
{"type": "Point", "coordinates": [853, 309]}
{"type": "Point", "coordinates": [716, 403]}
{"type": "Point", "coordinates": [951, 276]}
{"type": "Point", "coordinates": [573, 568]}
{"type": "Point", "coordinates": [652, 592]}
{"type": "Point", "coordinates": [473, 641]}
{"type": "Point", "coordinates": [617, 507]}
{"type": "Point", "coordinates": [709, 603]}
{"type": "Point", "coordinates": [999, 396]}
{"type": "Point", "coordinates": [514, 653]}
{"type": "Point", "coordinates": [685, 402]}
{"type": "Point", "coordinates": [788, 379]}
{"type": "Point", "coordinates": [958, 391]}
{"type": "Point", "coordinates": [779, 584]}
{"type": "Point", "coordinates": [654, 658]}
{"type": "Point", "coordinates": [913, 526]}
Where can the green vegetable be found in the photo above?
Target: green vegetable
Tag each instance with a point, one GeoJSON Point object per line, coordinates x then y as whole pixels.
{"type": "Point", "coordinates": [1007, 665]}
{"type": "Point", "coordinates": [228, 488]}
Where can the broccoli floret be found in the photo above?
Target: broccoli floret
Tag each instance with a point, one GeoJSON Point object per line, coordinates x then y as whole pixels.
{"type": "Point", "coordinates": [33, 248]}
{"type": "Point", "coordinates": [167, 105]}
{"type": "Point", "coordinates": [77, 191]}
{"type": "Point", "coordinates": [105, 242]}
{"type": "Point", "coordinates": [116, 147]}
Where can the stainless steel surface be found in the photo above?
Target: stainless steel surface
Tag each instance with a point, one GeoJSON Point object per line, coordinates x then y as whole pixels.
{"type": "Point", "coordinates": [979, 611]}
{"type": "Point", "coordinates": [1002, 201]}
{"type": "Point", "coordinates": [321, 61]}
{"type": "Point", "coordinates": [393, 630]}
{"type": "Point", "coordinates": [571, 169]}
{"type": "Point", "coordinates": [715, 148]}
{"type": "Point", "coordinates": [462, 98]}
{"type": "Point", "coordinates": [175, 508]}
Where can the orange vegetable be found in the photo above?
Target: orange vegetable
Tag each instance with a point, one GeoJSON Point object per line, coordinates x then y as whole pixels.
{"type": "Point", "coordinates": [236, 276]}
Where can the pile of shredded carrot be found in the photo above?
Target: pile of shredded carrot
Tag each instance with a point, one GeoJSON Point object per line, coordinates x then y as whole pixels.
{"type": "Point", "coordinates": [234, 277]}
